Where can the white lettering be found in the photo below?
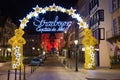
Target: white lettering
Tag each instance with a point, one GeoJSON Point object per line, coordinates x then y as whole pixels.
{"type": "Point", "coordinates": [43, 25]}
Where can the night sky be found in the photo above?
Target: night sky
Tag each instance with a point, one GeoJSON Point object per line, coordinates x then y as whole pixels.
{"type": "Point", "coordinates": [18, 9]}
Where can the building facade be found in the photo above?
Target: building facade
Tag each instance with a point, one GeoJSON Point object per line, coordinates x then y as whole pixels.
{"type": "Point", "coordinates": [70, 40]}
{"type": "Point", "coordinates": [100, 23]}
{"type": "Point", "coordinates": [101, 17]}
{"type": "Point", "coordinates": [113, 34]}
{"type": "Point", "coordinates": [32, 46]}
{"type": "Point", "coordinates": [7, 28]}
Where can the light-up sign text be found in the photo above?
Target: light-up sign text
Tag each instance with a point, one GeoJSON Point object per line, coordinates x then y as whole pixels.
{"type": "Point", "coordinates": [43, 25]}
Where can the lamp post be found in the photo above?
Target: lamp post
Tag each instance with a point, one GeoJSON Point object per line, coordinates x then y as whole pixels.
{"type": "Point", "coordinates": [33, 48]}
{"type": "Point", "coordinates": [76, 63]}
{"type": "Point", "coordinates": [65, 38]}
{"type": "Point", "coordinates": [38, 51]}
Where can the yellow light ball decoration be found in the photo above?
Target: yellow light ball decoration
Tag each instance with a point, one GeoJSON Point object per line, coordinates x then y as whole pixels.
{"type": "Point", "coordinates": [17, 42]}
{"type": "Point", "coordinates": [89, 42]}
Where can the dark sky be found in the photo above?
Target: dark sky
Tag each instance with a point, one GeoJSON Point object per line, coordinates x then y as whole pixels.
{"type": "Point", "coordinates": [17, 9]}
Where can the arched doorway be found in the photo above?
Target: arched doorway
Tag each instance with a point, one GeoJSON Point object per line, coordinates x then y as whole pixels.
{"type": "Point", "coordinates": [17, 40]}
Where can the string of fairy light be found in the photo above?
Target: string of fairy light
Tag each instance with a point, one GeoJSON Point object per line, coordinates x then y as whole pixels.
{"type": "Point", "coordinates": [38, 10]}
{"type": "Point", "coordinates": [17, 55]}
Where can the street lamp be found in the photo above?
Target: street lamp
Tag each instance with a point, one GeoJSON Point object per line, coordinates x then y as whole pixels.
{"type": "Point", "coordinates": [33, 48]}
{"type": "Point", "coordinates": [38, 51]}
{"type": "Point", "coordinates": [76, 42]}
{"type": "Point", "coordinates": [76, 64]}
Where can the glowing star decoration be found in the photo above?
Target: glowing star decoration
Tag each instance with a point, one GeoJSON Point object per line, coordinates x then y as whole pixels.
{"type": "Point", "coordinates": [71, 11]}
{"type": "Point", "coordinates": [24, 22]}
{"type": "Point", "coordinates": [38, 10]}
{"type": "Point", "coordinates": [89, 42]}
{"type": "Point", "coordinates": [82, 23]}
{"type": "Point", "coordinates": [53, 8]}
{"type": "Point", "coordinates": [17, 42]}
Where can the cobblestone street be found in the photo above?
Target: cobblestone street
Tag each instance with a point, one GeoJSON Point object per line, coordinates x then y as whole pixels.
{"type": "Point", "coordinates": [53, 69]}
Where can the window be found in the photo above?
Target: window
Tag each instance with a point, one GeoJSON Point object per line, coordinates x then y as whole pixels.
{"type": "Point", "coordinates": [119, 21]}
{"type": "Point", "coordinates": [118, 3]}
{"type": "Point", "coordinates": [119, 24]}
{"type": "Point", "coordinates": [114, 28]}
{"type": "Point", "coordinates": [96, 34]}
{"type": "Point", "coordinates": [96, 2]}
{"type": "Point", "coordinates": [98, 16]}
{"type": "Point", "coordinates": [93, 3]}
{"type": "Point", "coordinates": [114, 4]}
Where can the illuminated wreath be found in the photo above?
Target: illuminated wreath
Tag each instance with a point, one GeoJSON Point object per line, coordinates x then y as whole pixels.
{"type": "Point", "coordinates": [38, 10]}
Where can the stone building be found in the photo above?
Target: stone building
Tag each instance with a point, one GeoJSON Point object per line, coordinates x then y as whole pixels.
{"type": "Point", "coordinates": [103, 20]}
{"type": "Point", "coordinates": [7, 28]}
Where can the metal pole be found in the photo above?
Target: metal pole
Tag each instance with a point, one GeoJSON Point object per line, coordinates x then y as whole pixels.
{"type": "Point", "coordinates": [76, 63]}
{"type": "Point", "coordinates": [15, 74]}
{"type": "Point", "coordinates": [31, 69]}
{"type": "Point", "coordinates": [8, 75]}
{"type": "Point", "coordinates": [24, 73]}
{"type": "Point", "coordinates": [20, 73]}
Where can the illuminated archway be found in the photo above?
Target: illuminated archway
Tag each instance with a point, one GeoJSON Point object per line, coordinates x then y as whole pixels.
{"type": "Point", "coordinates": [89, 42]}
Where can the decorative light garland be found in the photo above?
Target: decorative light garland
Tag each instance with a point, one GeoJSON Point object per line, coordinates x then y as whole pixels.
{"type": "Point", "coordinates": [17, 42]}
{"type": "Point", "coordinates": [38, 10]}
{"type": "Point", "coordinates": [88, 41]}
{"type": "Point", "coordinates": [17, 57]}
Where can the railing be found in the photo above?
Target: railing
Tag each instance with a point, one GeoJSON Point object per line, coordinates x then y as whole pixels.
{"type": "Point", "coordinates": [19, 74]}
